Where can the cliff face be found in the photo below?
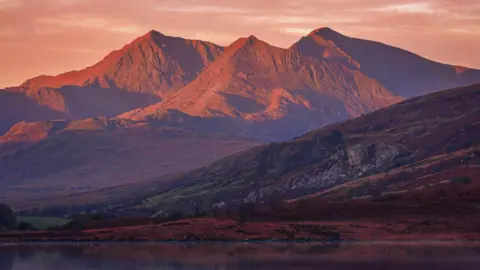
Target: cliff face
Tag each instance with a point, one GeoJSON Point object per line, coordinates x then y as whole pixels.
{"type": "Point", "coordinates": [342, 165]}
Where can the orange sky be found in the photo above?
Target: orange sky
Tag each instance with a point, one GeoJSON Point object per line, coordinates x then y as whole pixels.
{"type": "Point", "coordinates": [53, 36]}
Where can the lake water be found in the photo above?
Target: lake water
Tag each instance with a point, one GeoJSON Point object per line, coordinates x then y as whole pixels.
{"type": "Point", "coordinates": [123, 256]}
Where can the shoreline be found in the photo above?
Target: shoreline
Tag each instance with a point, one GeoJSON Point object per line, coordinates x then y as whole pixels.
{"type": "Point", "coordinates": [224, 231]}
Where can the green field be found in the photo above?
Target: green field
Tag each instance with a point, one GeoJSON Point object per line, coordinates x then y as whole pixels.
{"type": "Point", "coordinates": [43, 223]}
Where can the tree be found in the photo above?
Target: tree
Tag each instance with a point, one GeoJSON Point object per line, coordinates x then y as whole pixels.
{"type": "Point", "coordinates": [337, 136]}
{"type": "Point", "coordinates": [246, 212]}
{"type": "Point", "coordinates": [8, 219]}
{"type": "Point", "coordinates": [462, 180]}
{"type": "Point", "coordinates": [23, 226]}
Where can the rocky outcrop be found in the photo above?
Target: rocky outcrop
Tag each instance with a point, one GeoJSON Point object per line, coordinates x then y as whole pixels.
{"type": "Point", "coordinates": [341, 166]}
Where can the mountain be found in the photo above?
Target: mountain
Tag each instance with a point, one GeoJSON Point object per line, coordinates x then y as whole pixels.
{"type": "Point", "coordinates": [404, 73]}
{"type": "Point", "coordinates": [274, 92]}
{"type": "Point", "coordinates": [154, 63]}
{"type": "Point", "coordinates": [427, 135]}
{"type": "Point", "coordinates": [137, 75]}
{"type": "Point", "coordinates": [52, 158]}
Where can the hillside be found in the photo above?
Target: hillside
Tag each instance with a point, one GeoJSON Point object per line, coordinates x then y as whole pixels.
{"type": "Point", "coordinates": [16, 107]}
{"type": "Point", "coordinates": [68, 102]}
{"type": "Point", "coordinates": [54, 158]}
{"type": "Point", "coordinates": [407, 133]}
{"type": "Point", "coordinates": [403, 73]}
{"type": "Point", "coordinates": [276, 92]}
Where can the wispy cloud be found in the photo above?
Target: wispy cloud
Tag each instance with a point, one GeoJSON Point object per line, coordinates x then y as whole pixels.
{"type": "Point", "coordinates": [294, 19]}
{"type": "Point", "coordinates": [203, 9]}
{"type": "Point", "coordinates": [6, 31]}
{"type": "Point", "coordinates": [424, 7]}
{"type": "Point", "coordinates": [466, 31]}
{"type": "Point", "coordinates": [297, 30]}
{"type": "Point", "coordinates": [9, 4]}
{"type": "Point", "coordinates": [73, 49]}
{"type": "Point", "coordinates": [91, 23]}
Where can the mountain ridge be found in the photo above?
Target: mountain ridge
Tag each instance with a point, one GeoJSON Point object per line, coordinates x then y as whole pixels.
{"type": "Point", "coordinates": [257, 82]}
{"type": "Point", "coordinates": [404, 73]}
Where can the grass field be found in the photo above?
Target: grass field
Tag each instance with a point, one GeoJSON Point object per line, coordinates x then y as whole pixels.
{"type": "Point", "coordinates": [42, 223]}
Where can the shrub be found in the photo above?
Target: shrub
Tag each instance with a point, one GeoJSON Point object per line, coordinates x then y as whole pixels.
{"type": "Point", "coordinates": [360, 191]}
{"type": "Point", "coordinates": [462, 180]}
{"type": "Point", "coordinates": [8, 219]}
{"type": "Point", "coordinates": [246, 212]}
{"type": "Point", "coordinates": [74, 225]}
{"type": "Point", "coordinates": [336, 136]}
{"type": "Point", "coordinates": [24, 226]}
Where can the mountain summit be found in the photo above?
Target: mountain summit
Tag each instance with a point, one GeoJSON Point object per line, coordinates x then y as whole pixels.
{"type": "Point", "coordinates": [154, 63]}
{"type": "Point", "coordinates": [316, 45]}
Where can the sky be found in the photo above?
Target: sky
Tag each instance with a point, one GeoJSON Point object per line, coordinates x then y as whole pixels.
{"type": "Point", "coordinates": [54, 36]}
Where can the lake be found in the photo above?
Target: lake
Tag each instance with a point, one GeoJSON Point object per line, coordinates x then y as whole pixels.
{"type": "Point", "coordinates": [146, 256]}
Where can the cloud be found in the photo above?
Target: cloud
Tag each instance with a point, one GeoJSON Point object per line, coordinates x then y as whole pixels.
{"type": "Point", "coordinates": [424, 7]}
{"type": "Point", "coordinates": [7, 31]}
{"type": "Point", "coordinates": [297, 30]}
{"type": "Point", "coordinates": [9, 4]}
{"type": "Point", "coordinates": [466, 31]}
{"type": "Point", "coordinates": [100, 24]}
{"type": "Point", "coordinates": [203, 9]}
{"type": "Point", "coordinates": [294, 19]}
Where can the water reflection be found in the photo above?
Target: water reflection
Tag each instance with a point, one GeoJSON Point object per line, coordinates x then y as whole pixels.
{"type": "Point", "coordinates": [341, 256]}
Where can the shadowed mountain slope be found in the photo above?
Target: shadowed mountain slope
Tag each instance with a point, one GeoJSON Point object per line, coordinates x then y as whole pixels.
{"type": "Point", "coordinates": [404, 73]}
{"type": "Point", "coordinates": [16, 107]}
{"type": "Point", "coordinates": [275, 92]}
{"type": "Point", "coordinates": [54, 158]}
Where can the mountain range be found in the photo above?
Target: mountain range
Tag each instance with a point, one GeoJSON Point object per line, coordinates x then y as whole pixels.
{"type": "Point", "coordinates": [176, 96]}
